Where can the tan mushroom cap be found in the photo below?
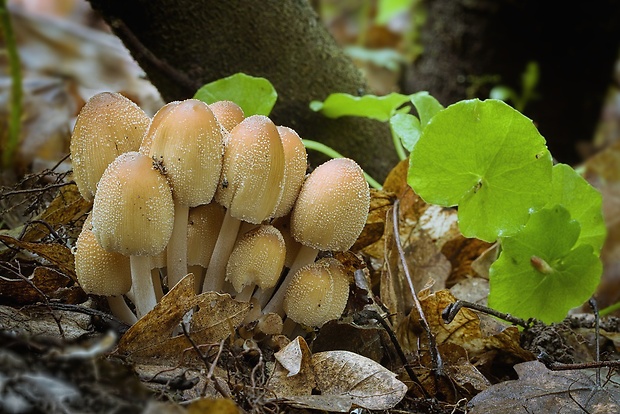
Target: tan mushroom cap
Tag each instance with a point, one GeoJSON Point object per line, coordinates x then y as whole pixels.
{"type": "Point", "coordinates": [100, 272]}
{"type": "Point", "coordinates": [253, 170]}
{"type": "Point", "coordinates": [108, 125]}
{"type": "Point", "coordinates": [188, 141]}
{"type": "Point", "coordinates": [317, 293]}
{"type": "Point", "coordinates": [203, 228]}
{"type": "Point", "coordinates": [332, 206]}
{"type": "Point", "coordinates": [295, 165]}
{"type": "Point", "coordinates": [147, 140]}
{"type": "Point", "coordinates": [133, 211]}
{"type": "Point", "coordinates": [258, 257]}
{"type": "Point", "coordinates": [228, 113]}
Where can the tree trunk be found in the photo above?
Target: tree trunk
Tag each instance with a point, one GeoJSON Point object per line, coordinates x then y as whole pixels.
{"type": "Point", "coordinates": [468, 42]}
{"type": "Point", "coordinates": [183, 44]}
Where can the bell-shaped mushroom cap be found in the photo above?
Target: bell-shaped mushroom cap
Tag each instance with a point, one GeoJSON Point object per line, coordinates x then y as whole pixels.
{"type": "Point", "coordinates": [258, 257]}
{"type": "Point", "coordinates": [108, 125]}
{"type": "Point", "coordinates": [133, 211]}
{"type": "Point", "coordinates": [295, 165]}
{"type": "Point", "coordinates": [203, 228]}
{"type": "Point", "coordinates": [317, 293]}
{"type": "Point", "coordinates": [332, 206]}
{"type": "Point", "coordinates": [147, 140]}
{"type": "Point", "coordinates": [188, 141]}
{"type": "Point", "coordinates": [100, 272]}
{"type": "Point", "coordinates": [228, 114]}
{"type": "Point", "coordinates": [253, 171]}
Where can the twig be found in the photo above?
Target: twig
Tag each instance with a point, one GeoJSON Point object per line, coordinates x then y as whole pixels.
{"type": "Point", "coordinates": [435, 357]}
{"type": "Point", "coordinates": [597, 340]}
{"type": "Point", "coordinates": [450, 312]}
{"type": "Point", "coordinates": [373, 314]}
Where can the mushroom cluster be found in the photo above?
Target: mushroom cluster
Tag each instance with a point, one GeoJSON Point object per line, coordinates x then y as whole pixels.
{"type": "Point", "coordinates": [201, 188]}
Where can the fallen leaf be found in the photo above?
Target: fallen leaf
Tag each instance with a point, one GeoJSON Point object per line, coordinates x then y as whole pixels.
{"type": "Point", "coordinates": [462, 252]}
{"type": "Point", "coordinates": [293, 375]}
{"type": "Point", "coordinates": [363, 381]}
{"type": "Point", "coordinates": [41, 284]}
{"type": "Point", "coordinates": [56, 254]}
{"type": "Point", "coordinates": [540, 390]}
{"type": "Point", "coordinates": [150, 339]}
{"type": "Point", "coordinates": [380, 202]}
{"type": "Point", "coordinates": [43, 322]}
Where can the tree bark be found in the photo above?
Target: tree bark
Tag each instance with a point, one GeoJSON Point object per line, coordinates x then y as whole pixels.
{"type": "Point", "coordinates": [183, 44]}
{"type": "Point", "coordinates": [468, 42]}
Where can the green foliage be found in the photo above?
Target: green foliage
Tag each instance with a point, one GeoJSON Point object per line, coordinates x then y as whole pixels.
{"type": "Point", "coordinates": [529, 81]}
{"type": "Point", "coordinates": [543, 271]}
{"type": "Point", "coordinates": [380, 108]}
{"type": "Point", "coordinates": [486, 158]}
{"type": "Point", "coordinates": [388, 9]}
{"type": "Point", "coordinates": [256, 96]}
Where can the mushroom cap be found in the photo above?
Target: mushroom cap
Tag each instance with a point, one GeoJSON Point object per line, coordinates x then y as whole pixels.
{"type": "Point", "coordinates": [133, 211]}
{"type": "Point", "coordinates": [108, 125]}
{"type": "Point", "coordinates": [147, 140]}
{"type": "Point", "coordinates": [295, 165]}
{"type": "Point", "coordinates": [317, 293]}
{"type": "Point", "coordinates": [253, 170]}
{"type": "Point", "coordinates": [332, 206]}
{"type": "Point", "coordinates": [228, 114]}
{"type": "Point", "coordinates": [188, 141]}
{"type": "Point", "coordinates": [203, 227]}
{"type": "Point", "coordinates": [258, 257]}
{"type": "Point", "coordinates": [100, 272]}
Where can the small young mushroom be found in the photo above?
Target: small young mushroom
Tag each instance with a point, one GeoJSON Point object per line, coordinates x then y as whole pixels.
{"type": "Point", "coordinates": [318, 293]}
{"type": "Point", "coordinates": [103, 273]}
{"type": "Point", "coordinates": [108, 125]}
{"type": "Point", "coordinates": [295, 165]}
{"type": "Point", "coordinates": [257, 259]}
{"type": "Point", "coordinates": [228, 114]}
{"type": "Point", "coordinates": [250, 186]}
{"type": "Point", "coordinates": [203, 227]}
{"type": "Point", "coordinates": [329, 214]}
{"type": "Point", "coordinates": [133, 214]}
{"type": "Point", "coordinates": [187, 141]}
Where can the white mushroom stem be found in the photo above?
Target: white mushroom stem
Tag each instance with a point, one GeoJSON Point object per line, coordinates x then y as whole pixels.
{"type": "Point", "coordinates": [176, 259]}
{"type": "Point", "coordinates": [119, 308]}
{"type": "Point", "coordinates": [305, 256]}
{"type": "Point", "coordinates": [142, 284]}
{"type": "Point", "coordinates": [216, 272]}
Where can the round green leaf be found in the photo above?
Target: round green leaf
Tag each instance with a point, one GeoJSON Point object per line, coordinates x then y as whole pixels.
{"type": "Point", "coordinates": [256, 96]}
{"type": "Point", "coordinates": [407, 127]}
{"type": "Point", "coordinates": [540, 273]}
{"type": "Point", "coordinates": [583, 202]}
{"type": "Point", "coordinates": [488, 159]}
{"type": "Point", "coordinates": [426, 105]}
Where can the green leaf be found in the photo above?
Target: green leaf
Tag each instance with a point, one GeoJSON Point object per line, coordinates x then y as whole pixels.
{"type": "Point", "coordinates": [370, 106]}
{"type": "Point", "coordinates": [503, 93]}
{"type": "Point", "coordinates": [387, 9]}
{"type": "Point", "coordinates": [256, 96]}
{"type": "Point", "coordinates": [426, 105]}
{"type": "Point", "coordinates": [540, 273]}
{"type": "Point", "coordinates": [488, 159]}
{"type": "Point", "coordinates": [407, 128]}
{"type": "Point", "coordinates": [583, 202]}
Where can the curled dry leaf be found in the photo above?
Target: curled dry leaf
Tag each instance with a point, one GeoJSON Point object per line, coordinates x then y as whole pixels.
{"type": "Point", "coordinates": [380, 202]}
{"type": "Point", "coordinates": [215, 317]}
{"type": "Point", "coordinates": [344, 379]}
{"type": "Point", "coordinates": [43, 281]}
{"type": "Point", "coordinates": [56, 254]}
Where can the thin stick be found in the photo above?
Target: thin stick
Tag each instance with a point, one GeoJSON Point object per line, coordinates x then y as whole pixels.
{"type": "Point", "coordinates": [435, 357]}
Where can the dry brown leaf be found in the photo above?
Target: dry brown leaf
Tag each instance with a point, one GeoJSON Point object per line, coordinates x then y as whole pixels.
{"type": "Point", "coordinates": [293, 374]}
{"type": "Point", "coordinates": [213, 406]}
{"type": "Point", "coordinates": [539, 390]}
{"type": "Point", "coordinates": [380, 202]}
{"type": "Point", "coordinates": [56, 254]}
{"type": "Point", "coordinates": [462, 252]}
{"type": "Point", "coordinates": [43, 283]}
{"type": "Point", "coordinates": [150, 339]}
{"type": "Point", "coordinates": [362, 381]}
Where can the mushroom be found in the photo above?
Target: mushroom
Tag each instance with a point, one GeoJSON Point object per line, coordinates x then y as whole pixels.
{"type": "Point", "coordinates": [257, 259]}
{"type": "Point", "coordinates": [228, 114]}
{"type": "Point", "coordinates": [202, 229]}
{"type": "Point", "coordinates": [133, 214]}
{"type": "Point", "coordinates": [103, 273]}
{"type": "Point", "coordinates": [295, 165]}
{"type": "Point", "coordinates": [329, 214]}
{"type": "Point", "coordinates": [318, 293]}
{"type": "Point", "coordinates": [108, 125]}
{"type": "Point", "coordinates": [187, 141]}
{"type": "Point", "coordinates": [250, 186]}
